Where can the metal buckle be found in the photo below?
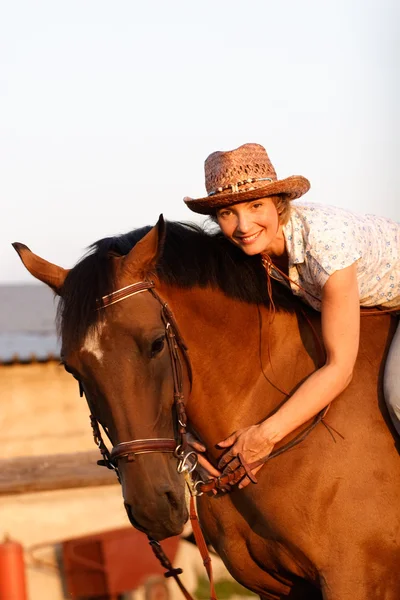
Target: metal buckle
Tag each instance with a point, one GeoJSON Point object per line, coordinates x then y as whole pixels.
{"type": "Point", "coordinates": [187, 462]}
{"type": "Point", "coordinates": [196, 492]}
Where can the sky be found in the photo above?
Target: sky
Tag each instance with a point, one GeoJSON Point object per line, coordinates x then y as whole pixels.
{"type": "Point", "coordinates": [109, 109]}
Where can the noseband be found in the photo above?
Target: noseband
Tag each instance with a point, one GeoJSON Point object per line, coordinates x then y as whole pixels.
{"type": "Point", "coordinates": [187, 459]}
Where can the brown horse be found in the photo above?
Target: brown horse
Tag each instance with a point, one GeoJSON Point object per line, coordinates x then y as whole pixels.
{"type": "Point", "coordinates": [324, 519]}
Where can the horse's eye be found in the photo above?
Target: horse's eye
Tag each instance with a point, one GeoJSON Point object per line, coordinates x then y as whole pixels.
{"type": "Point", "coordinates": [157, 346]}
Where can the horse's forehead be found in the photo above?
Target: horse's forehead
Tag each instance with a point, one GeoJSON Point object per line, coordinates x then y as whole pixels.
{"type": "Point", "coordinates": [143, 315]}
{"type": "Point", "coordinates": [92, 342]}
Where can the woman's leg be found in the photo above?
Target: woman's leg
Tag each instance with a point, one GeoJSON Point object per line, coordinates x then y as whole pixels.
{"type": "Point", "coordinates": [391, 380]}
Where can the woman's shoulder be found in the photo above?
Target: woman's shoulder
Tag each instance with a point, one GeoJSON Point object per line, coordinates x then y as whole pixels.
{"type": "Point", "coordinates": [330, 216]}
{"type": "Point", "coordinates": [330, 236]}
{"type": "Point", "coordinates": [319, 222]}
{"type": "Point", "coordinates": [314, 212]}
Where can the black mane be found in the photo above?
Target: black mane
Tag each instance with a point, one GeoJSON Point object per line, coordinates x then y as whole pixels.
{"type": "Point", "coordinates": [191, 257]}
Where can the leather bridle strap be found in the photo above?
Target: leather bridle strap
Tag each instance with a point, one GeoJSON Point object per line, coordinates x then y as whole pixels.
{"type": "Point", "coordinates": [174, 333]}
{"type": "Point", "coordinates": [125, 292]}
{"type": "Point", "coordinates": [170, 570]}
{"type": "Point", "coordinates": [142, 447]}
{"type": "Point", "coordinates": [202, 546]}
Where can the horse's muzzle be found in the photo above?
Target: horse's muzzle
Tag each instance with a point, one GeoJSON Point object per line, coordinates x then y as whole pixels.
{"type": "Point", "coordinates": [162, 517]}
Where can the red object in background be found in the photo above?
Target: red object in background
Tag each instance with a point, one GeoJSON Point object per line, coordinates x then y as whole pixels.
{"type": "Point", "coordinates": [110, 563]}
{"type": "Point", "coordinates": [12, 571]}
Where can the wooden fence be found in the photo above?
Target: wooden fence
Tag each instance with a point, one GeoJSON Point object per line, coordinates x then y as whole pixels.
{"type": "Point", "coordinates": [26, 474]}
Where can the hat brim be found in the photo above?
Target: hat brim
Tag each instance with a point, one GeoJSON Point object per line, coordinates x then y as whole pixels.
{"type": "Point", "coordinates": [293, 187]}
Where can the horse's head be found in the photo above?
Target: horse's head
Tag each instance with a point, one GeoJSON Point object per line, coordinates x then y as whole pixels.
{"type": "Point", "coordinates": [119, 353]}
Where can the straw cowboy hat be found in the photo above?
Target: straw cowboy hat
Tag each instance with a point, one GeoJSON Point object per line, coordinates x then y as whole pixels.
{"type": "Point", "coordinates": [241, 175]}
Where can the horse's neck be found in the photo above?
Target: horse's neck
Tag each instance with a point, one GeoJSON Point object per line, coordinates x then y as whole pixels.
{"type": "Point", "coordinates": [227, 347]}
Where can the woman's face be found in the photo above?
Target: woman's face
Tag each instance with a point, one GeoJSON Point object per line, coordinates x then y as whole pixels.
{"type": "Point", "coordinates": [253, 226]}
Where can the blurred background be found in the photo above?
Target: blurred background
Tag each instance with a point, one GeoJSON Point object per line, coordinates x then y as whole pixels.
{"type": "Point", "coordinates": [108, 110]}
{"type": "Point", "coordinates": [107, 113]}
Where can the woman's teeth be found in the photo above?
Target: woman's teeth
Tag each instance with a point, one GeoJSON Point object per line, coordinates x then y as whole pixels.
{"type": "Point", "coordinates": [250, 238]}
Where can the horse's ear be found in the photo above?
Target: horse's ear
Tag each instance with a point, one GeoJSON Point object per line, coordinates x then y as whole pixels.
{"type": "Point", "coordinates": [145, 254]}
{"type": "Point", "coordinates": [50, 274]}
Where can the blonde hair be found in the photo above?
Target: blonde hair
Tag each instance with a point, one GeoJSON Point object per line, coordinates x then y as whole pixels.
{"type": "Point", "coordinates": [283, 207]}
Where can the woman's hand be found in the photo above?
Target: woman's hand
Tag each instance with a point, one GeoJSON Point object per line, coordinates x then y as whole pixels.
{"type": "Point", "coordinates": [204, 467]}
{"type": "Point", "coordinates": [251, 442]}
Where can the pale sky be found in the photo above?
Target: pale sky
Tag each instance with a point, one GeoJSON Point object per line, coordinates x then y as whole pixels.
{"type": "Point", "coordinates": [109, 109]}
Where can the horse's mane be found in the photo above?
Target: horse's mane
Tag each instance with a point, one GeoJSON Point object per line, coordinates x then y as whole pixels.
{"type": "Point", "coordinates": [191, 256]}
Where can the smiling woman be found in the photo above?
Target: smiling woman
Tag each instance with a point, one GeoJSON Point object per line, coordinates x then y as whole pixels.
{"type": "Point", "coordinates": [253, 226]}
{"type": "Point", "coordinates": [334, 260]}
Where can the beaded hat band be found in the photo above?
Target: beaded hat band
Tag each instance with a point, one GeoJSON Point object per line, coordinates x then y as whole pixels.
{"type": "Point", "coordinates": [241, 175]}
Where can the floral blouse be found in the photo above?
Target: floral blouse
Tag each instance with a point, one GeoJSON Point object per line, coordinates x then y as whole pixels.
{"type": "Point", "coordinates": [323, 239]}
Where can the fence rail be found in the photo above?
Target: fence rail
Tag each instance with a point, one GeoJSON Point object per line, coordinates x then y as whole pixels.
{"type": "Point", "coordinates": [26, 474]}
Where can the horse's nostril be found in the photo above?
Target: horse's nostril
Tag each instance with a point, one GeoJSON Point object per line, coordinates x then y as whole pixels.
{"type": "Point", "coordinates": [172, 500]}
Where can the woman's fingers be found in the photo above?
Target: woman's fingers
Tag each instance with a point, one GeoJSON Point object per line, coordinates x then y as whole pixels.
{"type": "Point", "coordinates": [208, 467]}
{"type": "Point", "coordinates": [225, 459]}
{"type": "Point", "coordinates": [230, 453]}
{"type": "Point", "coordinates": [229, 441]}
{"type": "Point", "coordinates": [195, 443]}
{"type": "Point", "coordinates": [203, 463]}
{"type": "Point", "coordinates": [198, 446]}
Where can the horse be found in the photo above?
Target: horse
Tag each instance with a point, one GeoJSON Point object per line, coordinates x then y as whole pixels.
{"type": "Point", "coordinates": [323, 521]}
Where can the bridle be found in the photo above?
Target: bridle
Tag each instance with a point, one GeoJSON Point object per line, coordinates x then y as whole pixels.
{"type": "Point", "coordinates": [187, 459]}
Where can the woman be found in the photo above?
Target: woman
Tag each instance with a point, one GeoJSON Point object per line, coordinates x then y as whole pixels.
{"type": "Point", "coordinates": [333, 259]}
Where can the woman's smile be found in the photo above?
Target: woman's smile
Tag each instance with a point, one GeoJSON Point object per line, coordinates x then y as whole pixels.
{"type": "Point", "coordinates": [253, 226]}
{"type": "Point", "coordinates": [248, 239]}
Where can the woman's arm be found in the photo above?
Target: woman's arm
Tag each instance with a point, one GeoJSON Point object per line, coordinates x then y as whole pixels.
{"type": "Point", "coordinates": [340, 316]}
